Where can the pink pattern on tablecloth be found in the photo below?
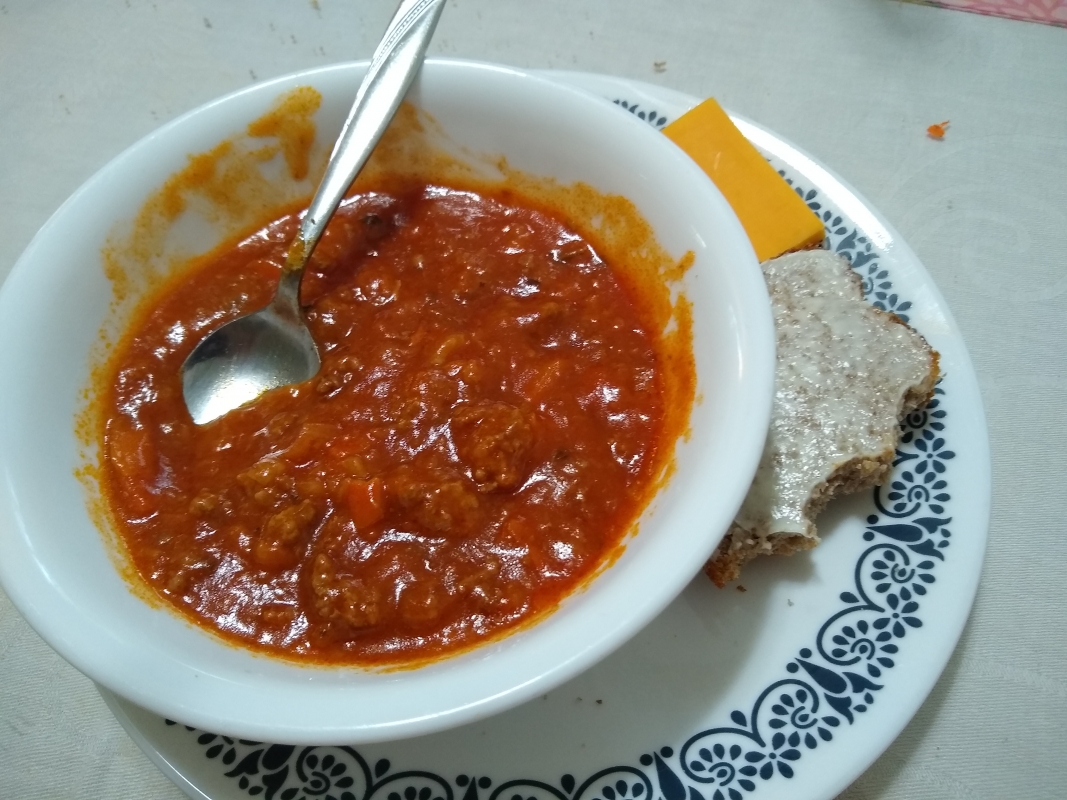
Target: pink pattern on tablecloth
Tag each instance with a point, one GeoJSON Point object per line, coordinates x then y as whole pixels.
{"type": "Point", "coordinates": [1050, 12]}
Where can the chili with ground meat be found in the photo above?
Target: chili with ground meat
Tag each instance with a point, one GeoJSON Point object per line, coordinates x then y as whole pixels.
{"type": "Point", "coordinates": [485, 428]}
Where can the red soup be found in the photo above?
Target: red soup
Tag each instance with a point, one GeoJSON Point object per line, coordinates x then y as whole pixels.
{"type": "Point", "coordinates": [488, 422]}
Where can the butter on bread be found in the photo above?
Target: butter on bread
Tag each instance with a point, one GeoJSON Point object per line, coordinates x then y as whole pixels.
{"type": "Point", "coordinates": [847, 374]}
{"type": "Point", "coordinates": [775, 217]}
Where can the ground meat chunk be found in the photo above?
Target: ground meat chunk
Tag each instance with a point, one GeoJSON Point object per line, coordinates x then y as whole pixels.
{"type": "Point", "coordinates": [493, 440]}
{"type": "Point", "coordinates": [268, 482]}
{"type": "Point", "coordinates": [345, 599]}
{"type": "Point", "coordinates": [204, 503]}
{"type": "Point", "coordinates": [334, 378]}
{"type": "Point", "coordinates": [440, 501]}
{"type": "Point", "coordinates": [281, 540]}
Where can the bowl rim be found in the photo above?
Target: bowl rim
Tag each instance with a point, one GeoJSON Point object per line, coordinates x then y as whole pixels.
{"type": "Point", "coordinates": [21, 575]}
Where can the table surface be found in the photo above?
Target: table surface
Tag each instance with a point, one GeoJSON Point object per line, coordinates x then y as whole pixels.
{"type": "Point", "coordinates": [854, 82]}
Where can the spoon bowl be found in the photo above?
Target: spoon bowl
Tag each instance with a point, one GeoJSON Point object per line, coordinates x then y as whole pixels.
{"type": "Point", "coordinates": [249, 356]}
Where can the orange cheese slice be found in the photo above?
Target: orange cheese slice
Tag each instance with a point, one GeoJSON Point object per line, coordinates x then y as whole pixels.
{"type": "Point", "coordinates": [774, 216]}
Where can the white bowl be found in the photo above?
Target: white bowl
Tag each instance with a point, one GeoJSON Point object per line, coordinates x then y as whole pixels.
{"type": "Point", "coordinates": [61, 573]}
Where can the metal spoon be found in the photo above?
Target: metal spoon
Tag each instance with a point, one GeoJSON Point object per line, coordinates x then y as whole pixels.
{"type": "Point", "coordinates": [273, 346]}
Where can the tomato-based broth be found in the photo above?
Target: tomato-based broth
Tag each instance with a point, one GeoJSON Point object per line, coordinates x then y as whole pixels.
{"type": "Point", "coordinates": [489, 420]}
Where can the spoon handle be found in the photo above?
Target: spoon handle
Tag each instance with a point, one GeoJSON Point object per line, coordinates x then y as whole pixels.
{"type": "Point", "coordinates": [392, 69]}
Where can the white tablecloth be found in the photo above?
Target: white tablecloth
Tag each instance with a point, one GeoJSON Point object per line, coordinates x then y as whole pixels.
{"type": "Point", "coordinates": [854, 82]}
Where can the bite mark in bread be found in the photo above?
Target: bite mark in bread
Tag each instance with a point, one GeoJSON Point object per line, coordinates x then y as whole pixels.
{"type": "Point", "coordinates": [847, 374]}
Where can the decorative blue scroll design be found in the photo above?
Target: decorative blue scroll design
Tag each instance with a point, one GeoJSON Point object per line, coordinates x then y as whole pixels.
{"type": "Point", "coordinates": [838, 679]}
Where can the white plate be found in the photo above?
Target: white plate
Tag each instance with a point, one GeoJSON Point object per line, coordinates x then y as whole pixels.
{"type": "Point", "coordinates": [790, 688]}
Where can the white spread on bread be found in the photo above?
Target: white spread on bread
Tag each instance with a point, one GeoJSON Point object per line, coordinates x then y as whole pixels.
{"type": "Point", "coordinates": [847, 373]}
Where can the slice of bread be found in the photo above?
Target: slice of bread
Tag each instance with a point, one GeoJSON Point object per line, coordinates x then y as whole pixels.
{"type": "Point", "coordinates": [847, 375]}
